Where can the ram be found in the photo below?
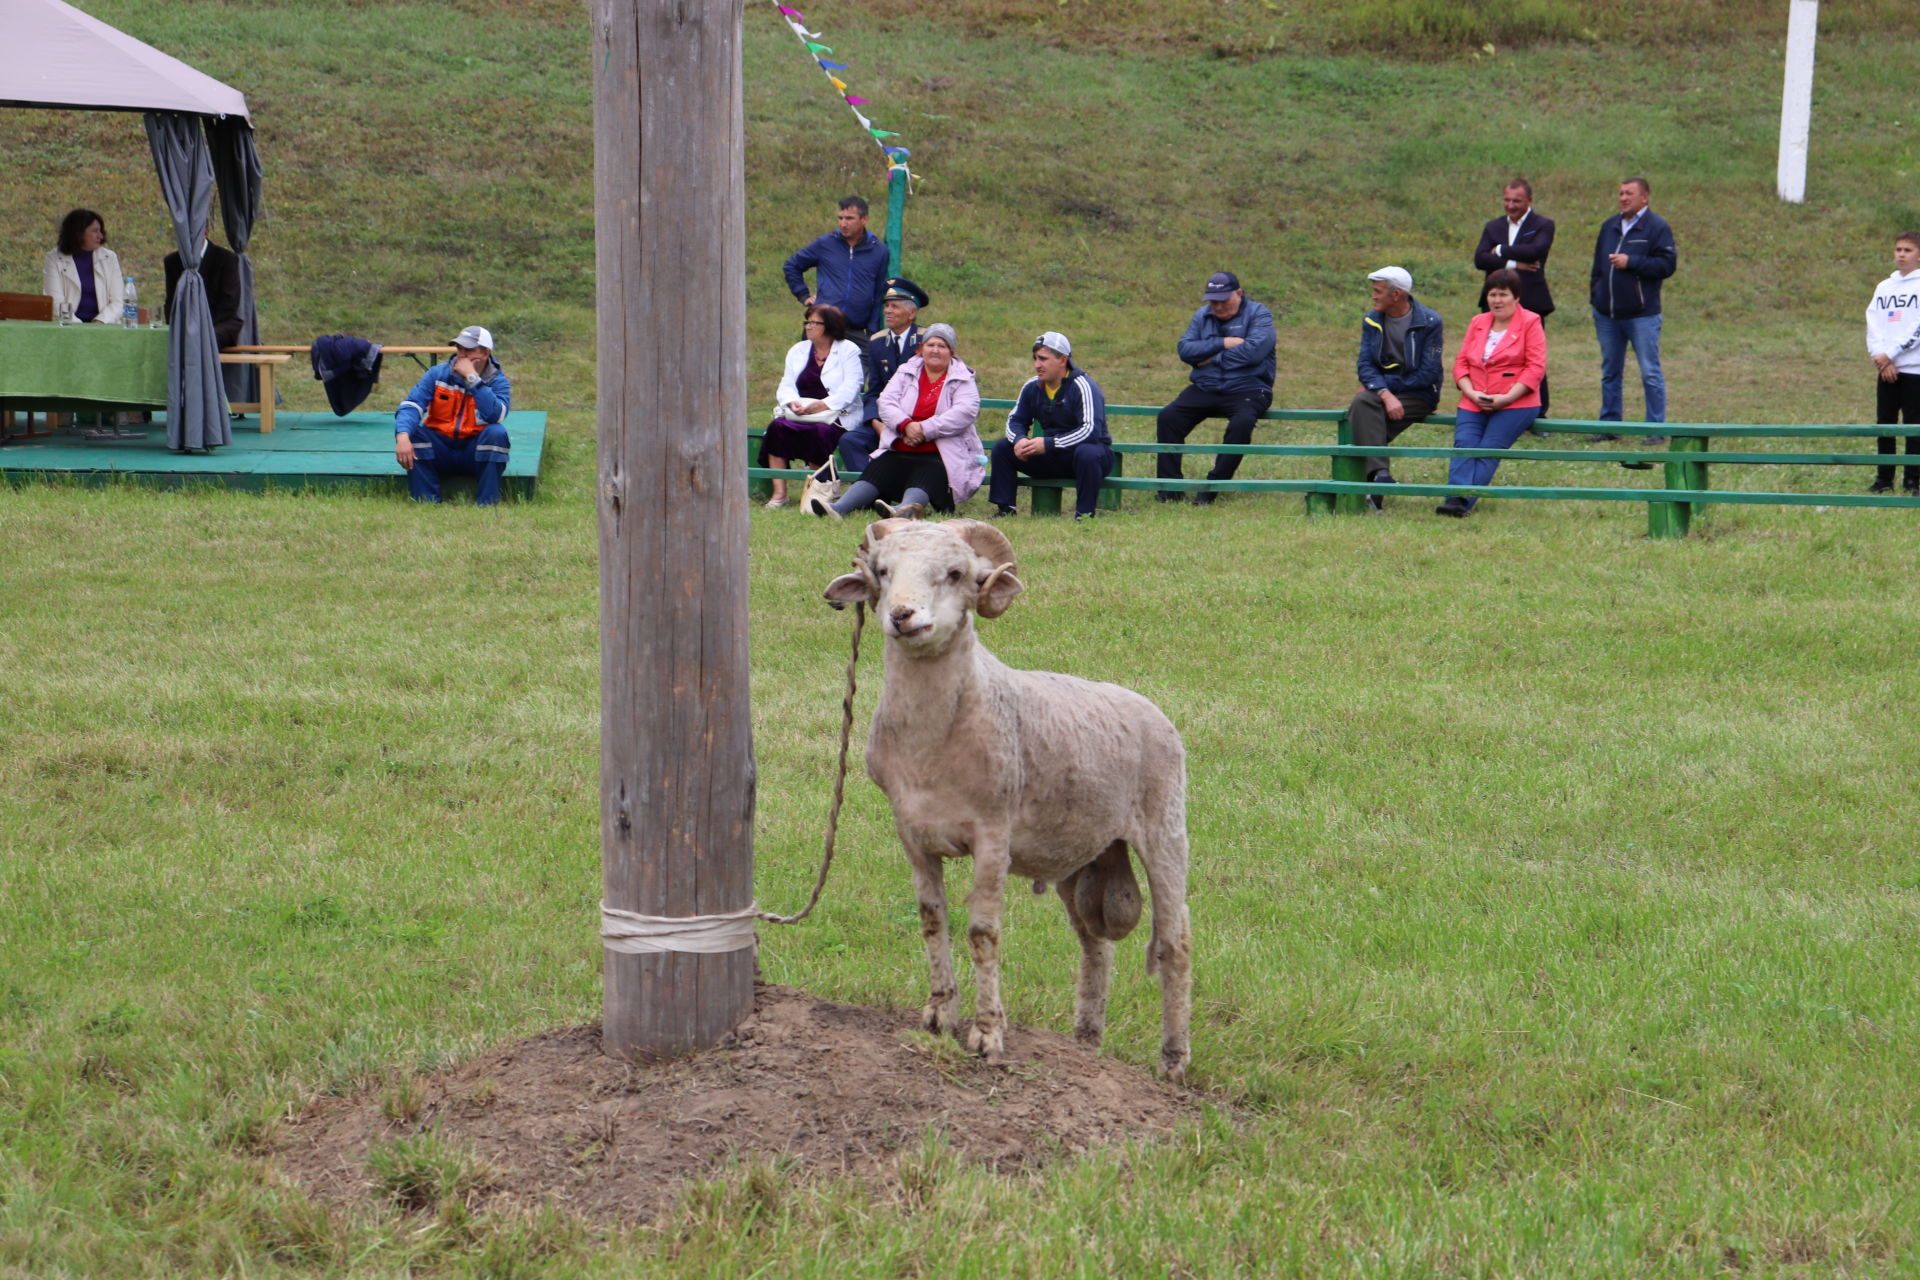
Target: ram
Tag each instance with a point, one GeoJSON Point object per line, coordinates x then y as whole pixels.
{"type": "Point", "coordinates": [1029, 773]}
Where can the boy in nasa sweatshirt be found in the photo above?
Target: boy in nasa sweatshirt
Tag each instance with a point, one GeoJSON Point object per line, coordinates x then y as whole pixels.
{"type": "Point", "coordinates": [1893, 340]}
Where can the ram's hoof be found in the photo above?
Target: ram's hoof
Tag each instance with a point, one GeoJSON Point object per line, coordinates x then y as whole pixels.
{"type": "Point", "coordinates": [938, 1018]}
{"type": "Point", "coordinates": [989, 1044]}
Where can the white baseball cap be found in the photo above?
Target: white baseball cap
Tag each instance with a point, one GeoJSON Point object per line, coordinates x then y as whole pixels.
{"type": "Point", "coordinates": [1395, 276]}
{"type": "Point", "coordinates": [1056, 342]}
{"type": "Point", "coordinates": [474, 336]}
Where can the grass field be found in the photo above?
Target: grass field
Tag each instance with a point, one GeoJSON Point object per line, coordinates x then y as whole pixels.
{"type": "Point", "coordinates": [1554, 889]}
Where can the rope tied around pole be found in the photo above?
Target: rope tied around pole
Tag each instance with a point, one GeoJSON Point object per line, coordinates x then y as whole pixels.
{"type": "Point", "coordinates": [636, 934]}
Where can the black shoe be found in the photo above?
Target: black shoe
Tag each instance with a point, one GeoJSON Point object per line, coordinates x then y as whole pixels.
{"type": "Point", "coordinates": [1535, 431]}
{"type": "Point", "coordinates": [1081, 517]}
{"type": "Point", "coordinates": [1376, 502]}
{"type": "Point", "coordinates": [1602, 438]}
{"type": "Point", "coordinates": [1167, 495]}
{"type": "Point", "coordinates": [1456, 508]}
{"type": "Point", "coordinates": [1653, 440]}
{"type": "Point", "coordinates": [1636, 466]}
{"type": "Point", "coordinates": [1001, 511]}
{"type": "Point", "coordinates": [1204, 499]}
{"type": "Point", "coordinates": [1880, 486]}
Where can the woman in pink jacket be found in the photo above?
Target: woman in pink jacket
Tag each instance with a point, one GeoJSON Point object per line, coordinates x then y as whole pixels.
{"type": "Point", "coordinates": [929, 456]}
{"type": "Point", "coordinates": [1502, 362]}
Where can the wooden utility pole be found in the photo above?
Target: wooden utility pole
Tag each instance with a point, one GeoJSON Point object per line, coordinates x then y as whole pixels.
{"type": "Point", "coordinates": [676, 778]}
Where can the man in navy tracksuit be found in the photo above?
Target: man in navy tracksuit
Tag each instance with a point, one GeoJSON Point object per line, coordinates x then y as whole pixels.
{"type": "Point", "coordinates": [849, 270]}
{"type": "Point", "coordinates": [1229, 342]}
{"type": "Point", "coordinates": [453, 422]}
{"type": "Point", "coordinates": [1071, 413]}
{"type": "Point", "coordinates": [1633, 253]}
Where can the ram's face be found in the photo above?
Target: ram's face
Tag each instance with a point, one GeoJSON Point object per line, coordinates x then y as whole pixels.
{"type": "Point", "coordinates": [926, 588]}
{"type": "Point", "coordinates": [922, 580]}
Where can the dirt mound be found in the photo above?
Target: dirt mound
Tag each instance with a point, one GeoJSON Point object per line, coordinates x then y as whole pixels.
{"type": "Point", "coordinates": [842, 1089]}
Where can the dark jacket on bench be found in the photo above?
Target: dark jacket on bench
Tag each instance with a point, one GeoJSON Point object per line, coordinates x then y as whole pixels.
{"type": "Point", "coordinates": [348, 367]}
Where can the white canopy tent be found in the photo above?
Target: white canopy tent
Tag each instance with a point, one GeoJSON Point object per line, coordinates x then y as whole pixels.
{"type": "Point", "coordinates": [53, 55]}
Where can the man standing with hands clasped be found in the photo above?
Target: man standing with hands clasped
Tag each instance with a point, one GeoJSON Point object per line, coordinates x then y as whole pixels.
{"type": "Point", "coordinates": [451, 423]}
{"type": "Point", "coordinates": [1633, 253]}
{"type": "Point", "coordinates": [1520, 240]}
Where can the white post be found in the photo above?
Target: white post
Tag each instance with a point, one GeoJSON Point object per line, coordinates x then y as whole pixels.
{"type": "Point", "coordinates": [1796, 100]}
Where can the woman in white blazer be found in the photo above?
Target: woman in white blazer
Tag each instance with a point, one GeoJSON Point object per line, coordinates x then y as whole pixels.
{"type": "Point", "coordinates": [82, 273]}
{"type": "Point", "coordinates": [819, 396]}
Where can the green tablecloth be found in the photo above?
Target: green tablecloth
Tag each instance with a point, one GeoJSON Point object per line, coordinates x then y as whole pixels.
{"type": "Point", "coordinates": [82, 364]}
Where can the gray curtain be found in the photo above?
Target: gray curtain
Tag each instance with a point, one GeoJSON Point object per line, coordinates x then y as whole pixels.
{"type": "Point", "coordinates": [236, 166]}
{"type": "Point", "coordinates": [197, 412]}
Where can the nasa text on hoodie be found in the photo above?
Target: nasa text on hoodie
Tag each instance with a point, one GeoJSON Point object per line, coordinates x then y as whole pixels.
{"type": "Point", "coordinates": [1893, 321]}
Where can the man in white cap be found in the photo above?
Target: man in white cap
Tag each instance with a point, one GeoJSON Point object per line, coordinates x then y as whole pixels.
{"type": "Point", "coordinates": [453, 421]}
{"type": "Point", "coordinates": [1071, 413]}
{"type": "Point", "coordinates": [1401, 347]}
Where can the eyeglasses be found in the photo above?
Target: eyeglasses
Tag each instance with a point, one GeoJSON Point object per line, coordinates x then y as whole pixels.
{"type": "Point", "coordinates": [821, 323]}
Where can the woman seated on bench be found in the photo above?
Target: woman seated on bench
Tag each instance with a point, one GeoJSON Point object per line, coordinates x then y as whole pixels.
{"type": "Point", "coordinates": [819, 396]}
{"type": "Point", "coordinates": [929, 454]}
{"type": "Point", "coordinates": [1502, 362]}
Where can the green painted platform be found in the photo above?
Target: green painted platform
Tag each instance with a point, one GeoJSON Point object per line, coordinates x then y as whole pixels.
{"type": "Point", "coordinates": [305, 451]}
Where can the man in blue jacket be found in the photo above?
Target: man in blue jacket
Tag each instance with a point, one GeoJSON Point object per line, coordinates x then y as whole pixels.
{"type": "Point", "coordinates": [453, 422]}
{"type": "Point", "coordinates": [1402, 345]}
{"type": "Point", "coordinates": [1229, 342]}
{"type": "Point", "coordinates": [1632, 254]}
{"type": "Point", "coordinates": [1071, 412]}
{"type": "Point", "coordinates": [849, 267]}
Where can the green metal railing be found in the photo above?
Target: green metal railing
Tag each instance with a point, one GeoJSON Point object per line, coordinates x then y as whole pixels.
{"type": "Point", "coordinates": [1671, 508]}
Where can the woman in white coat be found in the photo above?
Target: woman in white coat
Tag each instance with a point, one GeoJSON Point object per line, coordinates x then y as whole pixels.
{"type": "Point", "coordinates": [819, 396]}
{"type": "Point", "coordinates": [81, 274]}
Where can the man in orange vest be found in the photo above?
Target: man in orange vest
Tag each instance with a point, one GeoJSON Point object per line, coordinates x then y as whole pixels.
{"type": "Point", "coordinates": [452, 422]}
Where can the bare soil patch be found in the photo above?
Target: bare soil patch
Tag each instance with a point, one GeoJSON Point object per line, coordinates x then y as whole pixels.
{"type": "Point", "coordinates": [843, 1090]}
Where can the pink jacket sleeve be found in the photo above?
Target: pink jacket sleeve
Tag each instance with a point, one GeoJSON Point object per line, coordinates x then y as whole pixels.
{"type": "Point", "coordinates": [1475, 340]}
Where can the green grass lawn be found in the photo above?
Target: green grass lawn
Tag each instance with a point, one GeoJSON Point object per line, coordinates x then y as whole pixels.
{"type": "Point", "coordinates": [1554, 890]}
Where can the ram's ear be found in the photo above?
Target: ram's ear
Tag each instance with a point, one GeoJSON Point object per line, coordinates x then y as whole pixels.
{"type": "Point", "coordinates": [997, 592]}
{"type": "Point", "coordinates": [849, 588]}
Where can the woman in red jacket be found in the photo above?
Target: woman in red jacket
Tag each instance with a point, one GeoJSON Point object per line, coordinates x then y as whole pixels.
{"type": "Point", "coordinates": [1502, 362]}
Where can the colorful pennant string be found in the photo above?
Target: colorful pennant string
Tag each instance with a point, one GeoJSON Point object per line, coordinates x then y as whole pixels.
{"type": "Point", "coordinates": [896, 156]}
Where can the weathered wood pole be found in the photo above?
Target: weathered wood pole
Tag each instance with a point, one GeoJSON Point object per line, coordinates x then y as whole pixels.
{"type": "Point", "coordinates": [677, 775]}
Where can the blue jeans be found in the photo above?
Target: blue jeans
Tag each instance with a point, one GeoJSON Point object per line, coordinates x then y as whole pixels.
{"type": "Point", "coordinates": [1614, 335]}
{"type": "Point", "coordinates": [483, 456]}
{"type": "Point", "coordinates": [1474, 429]}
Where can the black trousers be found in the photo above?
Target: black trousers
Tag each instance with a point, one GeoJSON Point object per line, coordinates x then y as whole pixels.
{"type": "Point", "coordinates": [1899, 401]}
{"type": "Point", "coordinates": [1193, 406]}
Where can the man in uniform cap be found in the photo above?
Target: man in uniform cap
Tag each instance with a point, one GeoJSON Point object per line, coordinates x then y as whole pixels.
{"type": "Point", "coordinates": [453, 421]}
{"type": "Point", "coordinates": [888, 349]}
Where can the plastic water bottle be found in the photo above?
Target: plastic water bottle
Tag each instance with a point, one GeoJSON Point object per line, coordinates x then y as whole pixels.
{"type": "Point", "coordinates": [130, 313]}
